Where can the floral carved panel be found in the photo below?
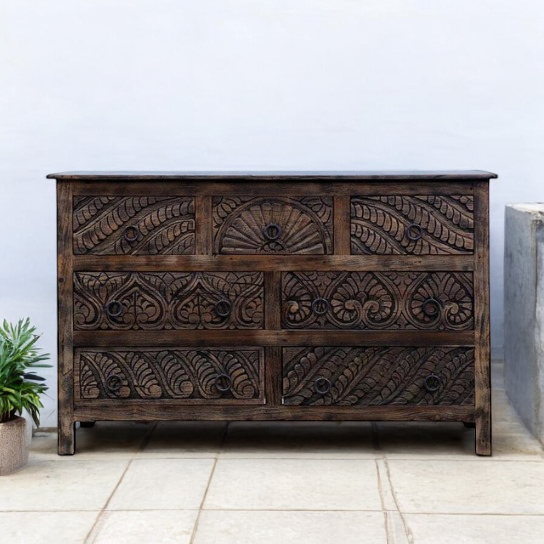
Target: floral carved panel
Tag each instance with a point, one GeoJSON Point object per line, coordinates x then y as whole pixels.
{"type": "Point", "coordinates": [168, 300]}
{"type": "Point", "coordinates": [378, 300]}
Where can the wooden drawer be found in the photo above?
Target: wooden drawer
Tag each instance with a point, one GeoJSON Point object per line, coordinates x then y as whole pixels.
{"type": "Point", "coordinates": [134, 225]}
{"type": "Point", "coordinates": [374, 376]}
{"type": "Point", "coordinates": [207, 376]}
{"type": "Point", "coordinates": [168, 300]}
{"type": "Point", "coordinates": [412, 225]}
{"type": "Point", "coordinates": [378, 300]}
{"type": "Point", "coordinates": [277, 225]}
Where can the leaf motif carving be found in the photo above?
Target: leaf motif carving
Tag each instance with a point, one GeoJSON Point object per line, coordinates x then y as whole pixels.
{"type": "Point", "coordinates": [134, 225]}
{"type": "Point", "coordinates": [375, 376]}
{"type": "Point", "coordinates": [380, 225]}
{"type": "Point", "coordinates": [183, 374]}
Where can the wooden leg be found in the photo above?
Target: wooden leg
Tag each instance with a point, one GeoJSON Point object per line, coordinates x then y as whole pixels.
{"type": "Point", "coordinates": [483, 435]}
{"type": "Point", "coordinates": [67, 438]}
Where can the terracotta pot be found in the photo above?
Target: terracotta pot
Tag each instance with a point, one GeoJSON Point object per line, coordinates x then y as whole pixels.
{"type": "Point", "coordinates": [13, 447]}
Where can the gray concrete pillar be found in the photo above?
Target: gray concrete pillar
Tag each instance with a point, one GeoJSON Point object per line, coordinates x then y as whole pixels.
{"type": "Point", "coordinates": [524, 313]}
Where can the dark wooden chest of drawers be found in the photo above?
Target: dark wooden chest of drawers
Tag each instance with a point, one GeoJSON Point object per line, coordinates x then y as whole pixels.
{"type": "Point", "coordinates": [285, 296]}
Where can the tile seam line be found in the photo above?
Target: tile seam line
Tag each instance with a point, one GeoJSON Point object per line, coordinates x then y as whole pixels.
{"type": "Point", "coordinates": [293, 510]}
{"type": "Point", "coordinates": [382, 502]}
{"type": "Point", "coordinates": [462, 460]}
{"type": "Point", "coordinates": [411, 513]}
{"type": "Point", "coordinates": [105, 507]}
{"type": "Point", "coordinates": [478, 514]}
{"type": "Point", "coordinates": [212, 472]}
{"type": "Point", "coordinates": [407, 531]}
{"type": "Point", "coordinates": [201, 506]}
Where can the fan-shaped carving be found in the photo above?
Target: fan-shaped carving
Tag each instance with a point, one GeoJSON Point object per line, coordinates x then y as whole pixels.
{"type": "Point", "coordinates": [374, 376]}
{"type": "Point", "coordinates": [378, 300]}
{"type": "Point", "coordinates": [417, 225]}
{"type": "Point", "coordinates": [273, 225]}
{"type": "Point", "coordinates": [185, 374]}
{"type": "Point", "coordinates": [111, 225]}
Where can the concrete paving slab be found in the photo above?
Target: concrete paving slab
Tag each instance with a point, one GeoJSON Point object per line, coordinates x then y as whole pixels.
{"type": "Point", "coordinates": [491, 529]}
{"type": "Point", "coordinates": [294, 484]}
{"type": "Point", "coordinates": [46, 527]}
{"type": "Point", "coordinates": [50, 485]}
{"type": "Point", "coordinates": [292, 527]}
{"type": "Point", "coordinates": [162, 484]}
{"type": "Point", "coordinates": [468, 487]}
{"type": "Point", "coordinates": [156, 526]}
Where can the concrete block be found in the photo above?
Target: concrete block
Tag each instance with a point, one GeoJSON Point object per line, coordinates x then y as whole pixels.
{"type": "Point", "coordinates": [524, 313]}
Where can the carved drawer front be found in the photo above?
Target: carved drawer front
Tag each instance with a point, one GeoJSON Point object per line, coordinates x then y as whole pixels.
{"type": "Point", "coordinates": [412, 225]}
{"type": "Point", "coordinates": [378, 300]}
{"type": "Point", "coordinates": [206, 376]}
{"type": "Point", "coordinates": [168, 300]}
{"type": "Point", "coordinates": [281, 225]}
{"type": "Point", "coordinates": [374, 376]}
{"type": "Point", "coordinates": [135, 225]}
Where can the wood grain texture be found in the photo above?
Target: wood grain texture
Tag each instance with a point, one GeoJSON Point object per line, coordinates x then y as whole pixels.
{"type": "Point", "coordinates": [271, 338]}
{"type": "Point", "coordinates": [377, 300]}
{"type": "Point", "coordinates": [65, 371]}
{"type": "Point", "coordinates": [203, 235]}
{"type": "Point", "coordinates": [168, 300]}
{"type": "Point", "coordinates": [160, 411]}
{"type": "Point", "coordinates": [262, 188]}
{"type": "Point", "coordinates": [286, 175]}
{"type": "Point", "coordinates": [482, 326]}
{"type": "Point", "coordinates": [270, 263]}
{"type": "Point", "coordinates": [342, 210]}
{"type": "Point", "coordinates": [400, 328]}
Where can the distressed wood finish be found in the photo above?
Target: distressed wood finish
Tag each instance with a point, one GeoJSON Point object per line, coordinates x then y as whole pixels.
{"type": "Point", "coordinates": [414, 225]}
{"type": "Point", "coordinates": [65, 367]}
{"type": "Point", "coordinates": [139, 225]}
{"type": "Point", "coordinates": [192, 375]}
{"type": "Point", "coordinates": [277, 225]}
{"type": "Point", "coordinates": [378, 376]}
{"type": "Point", "coordinates": [168, 300]}
{"type": "Point", "coordinates": [273, 296]}
{"type": "Point", "coordinates": [377, 300]}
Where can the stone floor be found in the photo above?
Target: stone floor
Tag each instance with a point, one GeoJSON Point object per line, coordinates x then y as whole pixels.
{"type": "Point", "coordinates": [337, 483]}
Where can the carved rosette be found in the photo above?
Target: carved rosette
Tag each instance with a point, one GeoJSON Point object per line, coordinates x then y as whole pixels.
{"type": "Point", "coordinates": [378, 300]}
{"type": "Point", "coordinates": [113, 225]}
{"type": "Point", "coordinates": [191, 375]}
{"type": "Point", "coordinates": [375, 376]}
{"type": "Point", "coordinates": [274, 225]}
{"type": "Point", "coordinates": [168, 300]}
{"type": "Point", "coordinates": [412, 225]}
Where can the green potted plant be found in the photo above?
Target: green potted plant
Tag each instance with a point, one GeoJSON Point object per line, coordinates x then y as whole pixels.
{"type": "Point", "coordinates": [20, 389]}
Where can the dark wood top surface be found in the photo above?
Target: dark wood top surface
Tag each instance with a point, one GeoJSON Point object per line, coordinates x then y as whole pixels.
{"type": "Point", "coordinates": [347, 175]}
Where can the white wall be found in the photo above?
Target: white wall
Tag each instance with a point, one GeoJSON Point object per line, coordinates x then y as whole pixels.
{"type": "Point", "coordinates": [257, 84]}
